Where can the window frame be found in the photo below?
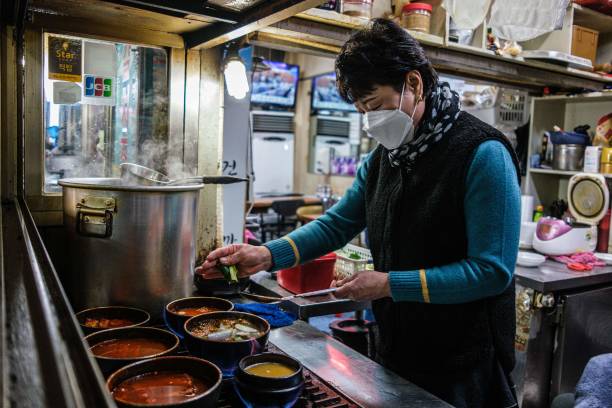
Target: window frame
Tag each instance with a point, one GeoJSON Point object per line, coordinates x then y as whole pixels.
{"type": "Point", "coordinates": [47, 207]}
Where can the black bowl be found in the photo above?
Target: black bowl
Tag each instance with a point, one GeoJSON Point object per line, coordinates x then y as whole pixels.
{"type": "Point", "coordinates": [109, 364]}
{"type": "Point", "coordinates": [226, 354]}
{"type": "Point", "coordinates": [219, 287]}
{"type": "Point", "coordinates": [176, 322]}
{"type": "Point", "coordinates": [201, 369]}
{"type": "Point", "coordinates": [263, 392]}
{"type": "Point", "coordinates": [137, 316]}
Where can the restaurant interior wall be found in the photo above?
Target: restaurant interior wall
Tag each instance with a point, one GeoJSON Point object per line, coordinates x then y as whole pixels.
{"type": "Point", "coordinates": [304, 181]}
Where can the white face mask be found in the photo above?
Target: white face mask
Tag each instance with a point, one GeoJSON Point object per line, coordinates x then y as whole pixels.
{"type": "Point", "coordinates": [391, 128]}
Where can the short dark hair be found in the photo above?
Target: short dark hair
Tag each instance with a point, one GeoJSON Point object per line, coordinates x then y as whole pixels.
{"type": "Point", "coordinates": [380, 54]}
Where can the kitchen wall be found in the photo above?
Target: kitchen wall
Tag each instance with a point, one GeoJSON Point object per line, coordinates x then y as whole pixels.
{"type": "Point", "coordinates": [304, 181]}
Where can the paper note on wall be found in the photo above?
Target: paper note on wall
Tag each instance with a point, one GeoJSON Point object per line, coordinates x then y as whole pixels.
{"type": "Point", "coordinates": [66, 93]}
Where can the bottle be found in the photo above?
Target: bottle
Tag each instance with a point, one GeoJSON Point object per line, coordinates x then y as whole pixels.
{"type": "Point", "coordinates": [543, 149]}
{"type": "Point", "coordinates": [603, 233]}
{"type": "Point", "coordinates": [539, 213]}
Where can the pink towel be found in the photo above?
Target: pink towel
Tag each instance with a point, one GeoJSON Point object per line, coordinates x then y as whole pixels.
{"type": "Point", "coordinates": [583, 261]}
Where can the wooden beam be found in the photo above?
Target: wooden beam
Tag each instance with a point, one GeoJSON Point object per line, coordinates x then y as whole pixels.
{"type": "Point", "coordinates": [270, 12]}
{"type": "Point", "coordinates": [181, 8]}
{"type": "Point", "coordinates": [293, 44]}
{"type": "Point", "coordinates": [309, 31]}
{"type": "Point", "coordinates": [123, 33]}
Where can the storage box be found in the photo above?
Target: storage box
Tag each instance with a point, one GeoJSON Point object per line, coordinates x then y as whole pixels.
{"type": "Point", "coordinates": [313, 275]}
{"type": "Point", "coordinates": [584, 42]}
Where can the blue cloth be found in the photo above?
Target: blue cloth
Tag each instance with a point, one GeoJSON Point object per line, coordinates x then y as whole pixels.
{"type": "Point", "coordinates": [492, 215]}
{"type": "Point", "coordinates": [271, 312]}
{"type": "Point", "coordinates": [594, 390]}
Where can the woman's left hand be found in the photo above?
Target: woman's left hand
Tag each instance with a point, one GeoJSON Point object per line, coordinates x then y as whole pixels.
{"type": "Point", "coordinates": [362, 286]}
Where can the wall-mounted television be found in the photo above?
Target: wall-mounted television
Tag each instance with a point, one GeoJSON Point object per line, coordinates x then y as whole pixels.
{"type": "Point", "coordinates": [325, 94]}
{"type": "Point", "coordinates": [276, 86]}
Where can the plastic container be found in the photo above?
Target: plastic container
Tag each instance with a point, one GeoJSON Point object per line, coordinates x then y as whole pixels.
{"type": "Point", "coordinates": [357, 8]}
{"type": "Point", "coordinates": [417, 17]}
{"type": "Point", "coordinates": [313, 275]}
{"type": "Point", "coordinates": [351, 259]}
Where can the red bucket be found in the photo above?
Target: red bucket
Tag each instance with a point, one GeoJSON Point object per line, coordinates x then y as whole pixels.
{"type": "Point", "coordinates": [314, 275]}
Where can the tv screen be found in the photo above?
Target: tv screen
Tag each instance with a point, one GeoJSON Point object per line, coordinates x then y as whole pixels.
{"type": "Point", "coordinates": [325, 95]}
{"type": "Point", "coordinates": [276, 86]}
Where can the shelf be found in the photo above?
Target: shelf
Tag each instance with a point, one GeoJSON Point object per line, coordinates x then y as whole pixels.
{"type": "Point", "coordinates": [322, 32]}
{"type": "Point", "coordinates": [333, 18]}
{"type": "Point", "coordinates": [561, 173]}
{"type": "Point", "coordinates": [595, 20]}
{"type": "Point", "coordinates": [470, 49]}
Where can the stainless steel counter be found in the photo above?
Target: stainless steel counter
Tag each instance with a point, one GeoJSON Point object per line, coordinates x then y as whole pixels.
{"type": "Point", "coordinates": [360, 379]}
{"type": "Point", "coordinates": [554, 276]}
{"type": "Point", "coordinates": [304, 308]}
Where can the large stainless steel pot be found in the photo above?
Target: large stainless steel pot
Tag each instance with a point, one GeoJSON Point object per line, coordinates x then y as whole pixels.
{"type": "Point", "coordinates": [129, 245]}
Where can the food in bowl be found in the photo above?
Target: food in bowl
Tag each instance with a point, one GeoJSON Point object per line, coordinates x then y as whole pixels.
{"type": "Point", "coordinates": [159, 387]}
{"type": "Point", "coordinates": [226, 329]}
{"type": "Point", "coordinates": [270, 370]}
{"type": "Point", "coordinates": [269, 379]}
{"type": "Point", "coordinates": [129, 348]}
{"type": "Point", "coordinates": [111, 317]}
{"type": "Point", "coordinates": [115, 348]}
{"type": "Point", "coordinates": [224, 338]}
{"type": "Point", "coordinates": [104, 323]}
{"type": "Point", "coordinates": [195, 311]}
{"type": "Point", "coordinates": [169, 382]}
{"type": "Point", "coordinates": [179, 311]}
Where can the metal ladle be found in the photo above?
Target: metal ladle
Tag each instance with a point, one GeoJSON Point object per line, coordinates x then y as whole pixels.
{"type": "Point", "coordinates": [136, 174]}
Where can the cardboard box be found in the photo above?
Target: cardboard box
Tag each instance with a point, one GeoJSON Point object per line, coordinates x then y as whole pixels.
{"type": "Point", "coordinates": [584, 42]}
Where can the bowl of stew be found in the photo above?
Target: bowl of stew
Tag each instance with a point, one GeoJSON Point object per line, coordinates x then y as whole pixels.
{"type": "Point", "coordinates": [269, 379]}
{"type": "Point", "coordinates": [226, 337]}
{"type": "Point", "coordinates": [179, 311]}
{"type": "Point", "coordinates": [111, 317]}
{"type": "Point", "coordinates": [115, 348]}
{"type": "Point", "coordinates": [169, 382]}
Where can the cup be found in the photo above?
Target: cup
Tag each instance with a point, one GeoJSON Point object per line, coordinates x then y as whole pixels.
{"type": "Point", "coordinates": [592, 156]}
{"type": "Point", "coordinates": [528, 229]}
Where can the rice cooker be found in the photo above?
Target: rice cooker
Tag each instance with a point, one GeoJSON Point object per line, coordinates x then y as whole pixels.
{"type": "Point", "coordinates": [588, 200]}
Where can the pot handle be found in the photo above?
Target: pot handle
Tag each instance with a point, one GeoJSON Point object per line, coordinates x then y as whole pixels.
{"type": "Point", "coordinates": [210, 180]}
{"type": "Point", "coordinates": [94, 217]}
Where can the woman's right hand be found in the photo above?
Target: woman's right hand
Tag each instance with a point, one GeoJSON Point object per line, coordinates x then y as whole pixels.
{"type": "Point", "coordinates": [248, 259]}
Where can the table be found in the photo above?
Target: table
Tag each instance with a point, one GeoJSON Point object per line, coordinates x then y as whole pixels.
{"type": "Point", "coordinates": [553, 276]}
{"type": "Point", "coordinates": [262, 204]}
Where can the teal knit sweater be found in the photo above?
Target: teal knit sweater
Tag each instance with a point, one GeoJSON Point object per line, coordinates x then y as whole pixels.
{"type": "Point", "coordinates": [492, 213]}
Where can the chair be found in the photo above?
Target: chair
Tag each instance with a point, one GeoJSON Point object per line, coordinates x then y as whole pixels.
{"type": "Point", "coordinates": [283, 220]}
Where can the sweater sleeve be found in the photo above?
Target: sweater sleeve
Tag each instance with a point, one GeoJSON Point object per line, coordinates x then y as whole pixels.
{"type": "Point", "coordinates": [332, 231]}
{"type": "Point", "coordinates": [492, 215]}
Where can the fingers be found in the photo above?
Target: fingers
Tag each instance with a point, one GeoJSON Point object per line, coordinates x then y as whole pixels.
{"type": "Point", "coordinates": [223, 252]}
{"type": "Point", "coordinates": [232, 259]}
{"type": "Point", "coordinates": [344, 291]}
{"type": "Point", "coordinates": [209, 272]}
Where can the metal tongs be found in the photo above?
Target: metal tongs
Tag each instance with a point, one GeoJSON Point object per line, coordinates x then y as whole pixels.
{"type": "Point", "coordinates": [273, 299]}
{"type": "Point", "coordinates": [144, 176]}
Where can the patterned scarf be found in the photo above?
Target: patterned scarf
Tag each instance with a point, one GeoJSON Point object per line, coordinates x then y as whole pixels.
{"type": "Point", "coordinates": [442, 109]}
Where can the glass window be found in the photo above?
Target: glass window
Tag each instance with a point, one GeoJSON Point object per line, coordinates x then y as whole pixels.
{"type": "Point", "coordinates": [104, 104]}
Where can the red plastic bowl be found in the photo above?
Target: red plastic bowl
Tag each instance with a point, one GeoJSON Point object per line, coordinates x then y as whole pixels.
{"type": "Point", "coordinates": [314, 275]}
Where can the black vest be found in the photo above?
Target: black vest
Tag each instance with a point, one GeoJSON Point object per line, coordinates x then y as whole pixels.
{"type": "Point", "coordinates": [415, 220]}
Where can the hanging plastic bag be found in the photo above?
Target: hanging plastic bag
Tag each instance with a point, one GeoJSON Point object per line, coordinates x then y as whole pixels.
{"type": "Point", "coordinates": [523, 20]}
{"type": "Point", "coordinates": [467, 14]}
